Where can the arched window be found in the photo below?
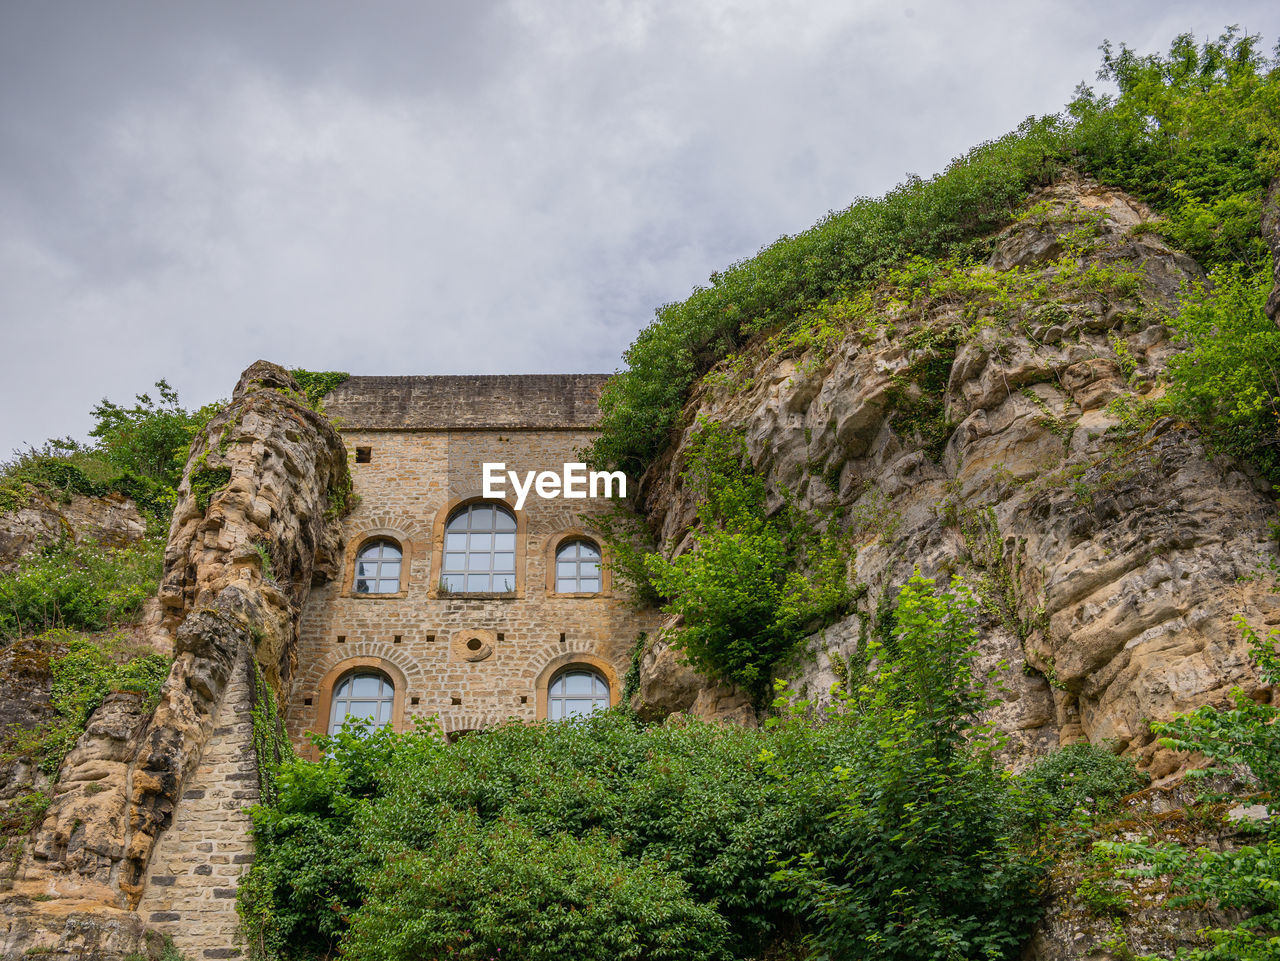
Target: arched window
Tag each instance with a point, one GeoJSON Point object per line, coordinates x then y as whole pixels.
{"type": "Point", "coordinates": [364, 694]}
{"type": "Point", "coordinates": [479, 550]}
{"type": "Point", "coordinates": [578, 567]}
{"type": "Point", "coordinates": [576, 691]}
{"type": "Point", "coordinates": [378, 568]}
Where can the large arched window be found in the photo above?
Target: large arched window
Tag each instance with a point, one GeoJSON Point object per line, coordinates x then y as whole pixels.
{"type": "Point", "coordinates": [377, 568]}
{"type": "Point", "coordinates": [576, 691]}
{"type": "Point", "coordinates": [479, 550]}
{"type": "Point", "coordinates": [369, 695]}
{"type": "Point", "coordinates": [578, 567]}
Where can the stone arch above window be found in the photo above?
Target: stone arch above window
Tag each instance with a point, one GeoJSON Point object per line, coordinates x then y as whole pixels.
{"type": "Point", "coordinates": [384, 575]}
{"type": "Point", "coordinates": [577, 565]}
{"type": "Point", "coordinates": [328, 685]}
{"type": "Point", "coordinates": [362, 693]}
{"type": "Point", "coordinates": [379, 567]}
{"type": "Point", "coordinates": [549, 698]}
{"type": "Point", "coordinates": [479, 549]}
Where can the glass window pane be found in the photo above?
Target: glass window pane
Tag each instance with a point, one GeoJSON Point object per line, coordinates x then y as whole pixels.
{"type": "Point", "coordinates": [389, 587]}
{"type": "Point", "coordinates": [504, 542]}
{"type": "Point", "coordinates": [452, 582]}
{"type": "Point", "coordinates": [362, 587]}
{"type": "Point", "coordinates": [366, 685]}
{"type": "Point", "coordinates": [455, 562]}
{"type": "Point", "coordinates": [505, 521]}
{"type": "Point", "coordinates": [455, 542]}
{"type": "Point", "coordinates": [481, 542]}
{"type": "Point", "coordinates": [477, 582]}
{"type": "Point", "coordinates": [390, 569]}
{"type": "Point", "coordinates": [364, 568]}
{"type": "Point", "coordinates": [586, 550]}
{"type": "Point", "coordinates": [458, 522]}
{"type": "Point", "coordinates": [504, 584]}
{"type": "Point", "coordinates": [343, 688]}
{"type": "Point", "coordinates": [477, 562]}
{"type": "Point", "coordinates": [481, 519]}
{"type": "Point", "coordinates": [363, 709]}
{"type": "Point", "coordinates": [588, 569]}
{"type": "Point", "coordinates": [579, 706]}
{"type": "Point", "coordinates": [390, 551]}
{"type": "Point", "coordinates": [384, 712]}
{"type": "Point", "coordinates": [566, 585]}
{"type": "Point", "coordinates": [577, 684]}
{"type": "Point", "coordinates": [567, 570]}
{"type": "Point", "coordinates": [588, 584]}
{"type": "Point", "coordinates": [504, 562]}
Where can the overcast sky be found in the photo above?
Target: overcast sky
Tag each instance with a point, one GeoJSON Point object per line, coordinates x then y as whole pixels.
{"type": "Point", "coordinates": [468, 187]}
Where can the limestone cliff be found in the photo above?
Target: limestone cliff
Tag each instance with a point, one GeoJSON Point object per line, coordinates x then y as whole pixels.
{"type": "Point", "coordinates": [254, 527]}
{"type": "Point", "coordinates": [1111, 559]}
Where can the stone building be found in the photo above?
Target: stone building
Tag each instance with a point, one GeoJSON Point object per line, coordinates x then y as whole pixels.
{"type": "Point", "coordinates": [451, 604]}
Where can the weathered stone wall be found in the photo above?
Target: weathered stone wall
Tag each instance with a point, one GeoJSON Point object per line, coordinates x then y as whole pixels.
{"type": "Point", "coordinates": [190, 894]}
{"type": "Point", "coordinates": [407, 488]}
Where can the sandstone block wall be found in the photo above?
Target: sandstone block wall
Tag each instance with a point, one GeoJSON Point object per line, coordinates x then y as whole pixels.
{"type": "Point", "coordinates": [408, 487]}
{"type": "Point", "coordinates": [190, 892]}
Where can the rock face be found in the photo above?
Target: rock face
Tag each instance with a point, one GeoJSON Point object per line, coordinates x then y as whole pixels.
{"type": "Point", "coordinates": [112, 520]}
{"type": "Point", "coordinates": [1111, 559]}
{"type": "Point", "coordinates": [267, 480]}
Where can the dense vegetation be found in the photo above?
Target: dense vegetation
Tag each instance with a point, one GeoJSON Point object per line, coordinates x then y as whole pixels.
{"type": "Point", "coordinates": [1195, 132]}
{"type": "Point", "coordinates": [888, 832]}
{"type": "Point", "coordinates": [744, 600]}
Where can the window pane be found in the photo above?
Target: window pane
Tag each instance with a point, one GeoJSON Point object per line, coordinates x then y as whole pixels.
{"type": "Point", "coordinates": [504, 542]}
{"type": "Point", "coordinates": [363, 709]}
{"type": "Point", "coordinates": [364, 568]}
{"type": "Point", "coordinates": [362, 587]}
{"type": "Point", "coordinates": [343, 688]}
{"type": "Point", "coordinates": [366, 685]}
{"type": "Point", "coordinates": [588, 584]}
{"type": "Point", "coordinates": [505, 522]}
{"type": "Point", "coordinates": [481, 519]}
{"type": "Point", "coordinates": [567, 570]}
{"type": "Point", "coordinates": [455, 562]}
{"type": "Point", "coordinates": [477, 562]}
{"type": "Point", "coordinates": [588, 551]}
{"type": "Point", "coordinates": [390, 569]}
{"type": "Point", "coordinates": [477, 582]}
{"type": "Point", "coordinates": [452, 582]}
{"type": "Point", "coordinates": [390, 551]}
{"type": "Point", "coordinates": [588, 569]}
{"type": "Point", "coordinates": [481, 542]}
{"type": "Point", "coordinates": [505, 584]}
{"type": "Point", "coordinates": [455, 542]}
{"type": "Point", "coordinates": [384, 712]}
{"type": "Point", "coordinates": [577, 683]}
{"type": "Point", "coordinates": [458, 522]}
{"type": "Point", "coordinates": [576, 707]}
{"type": "Point", "coordinates": [566, 585]}
{"type": "Point", "coordinates": [504, 562]}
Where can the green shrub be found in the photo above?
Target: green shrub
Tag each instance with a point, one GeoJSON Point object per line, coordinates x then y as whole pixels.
{"type": "Point", "coordinates": [151, 438]}
{"type": "Point", "coordinates": [1080, 775]}
{"type": "Point", "coordinates": [78, 586]}
{"type": "Point", "coordinates": [316, 383]}
{"type": "Point", "coordinates": [500, 890]}
{"type": "Point", "coordinates": [1227, 381]}
{"type": "Point", "coordinates": [744, 600]}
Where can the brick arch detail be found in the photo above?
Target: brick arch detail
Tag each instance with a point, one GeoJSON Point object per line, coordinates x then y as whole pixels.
{"type": "Point", "coordinates": [413, 541]}
{"type": "Point", "coordinates": [557, 658]}
{"type": "Point", "coordinates": [436, 546]}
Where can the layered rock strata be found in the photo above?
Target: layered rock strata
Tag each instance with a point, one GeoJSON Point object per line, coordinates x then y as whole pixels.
{"type": "Point", "coordinates": [1111, 555]}
{"type": "Point", "coordinates": [254, 527]}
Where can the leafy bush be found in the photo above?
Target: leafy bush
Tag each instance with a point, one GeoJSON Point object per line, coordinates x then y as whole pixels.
{"type": "Point", "coordinates": [501, 890]}
{"type": "Point", "coordinates": [669, 837]}
{"type": "Point", "coordinates": [316, 383]}
{"type": "Point", "coordinates": [151, 438]}
{"type": "Point", "coordinates": [1227, 381]}
{"type": "Point", "coordinates": [743, 599]}
{"type": "Point", "coordinates": [1080, 775]}
{"type": "Point", "coordinates": [1194, 133]}
{"type": "Point", "coordinates": [78, 586]}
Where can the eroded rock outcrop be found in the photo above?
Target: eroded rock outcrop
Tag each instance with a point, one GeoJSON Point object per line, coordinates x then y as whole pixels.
{"type": "Point", "coordinates": [111, 520]}
{"type": "Point", "coordinates": [254, 527]}
{"type": "Point", "coordinates": [1112, 557]}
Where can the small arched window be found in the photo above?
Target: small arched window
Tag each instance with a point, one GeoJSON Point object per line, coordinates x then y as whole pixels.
{"type": "Point", "coordinates": [576, 691]}
{"type": "Point", "coordinates": [368, 695]}
{"type": "Point", "coordinates": [479, 550]}
{"type": "Point", "coordinates": [578, 567]}
{"type": "Point", "coordinates": [378, 568]}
